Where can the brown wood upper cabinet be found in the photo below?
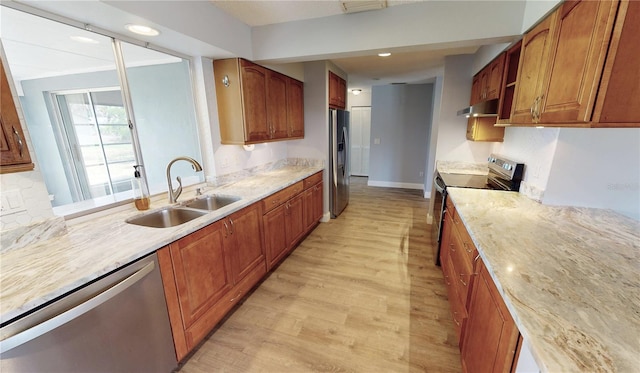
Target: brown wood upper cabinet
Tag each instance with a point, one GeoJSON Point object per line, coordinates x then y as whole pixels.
{"type": "Point", "coordinates": [14, 154]}
{"type": "Point", "coordinates": [337, 91]}
{"type": "Point", "coordinates": [256, 104]}
{"type": "Point", "coordinates": [487, 83]}
{"type": "Point", "coordinates": [573, 60]}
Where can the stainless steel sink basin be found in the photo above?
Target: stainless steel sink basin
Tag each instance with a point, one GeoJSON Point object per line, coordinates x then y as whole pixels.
{"type": "Point", "coordinates": [167, 217]}
{"type": "Point", "coordinates": [211, 203]}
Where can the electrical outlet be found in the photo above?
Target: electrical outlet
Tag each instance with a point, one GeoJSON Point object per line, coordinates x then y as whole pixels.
{"type": "Point", "coordinates": [421, 173]}
{"type": "Point", "coordinates": [376, 141]}
{"type": "Point", "coordinates": [11, 202]}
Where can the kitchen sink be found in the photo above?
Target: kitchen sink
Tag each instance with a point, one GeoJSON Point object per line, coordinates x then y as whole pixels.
{"type": "Point", "coordinates": [167, 217]}
{"type": "Point", "coordinates": [211, 203]}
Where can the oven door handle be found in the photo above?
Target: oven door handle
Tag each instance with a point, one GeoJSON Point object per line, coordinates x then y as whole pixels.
{"type": "Point", "coordinates": [439, 184]}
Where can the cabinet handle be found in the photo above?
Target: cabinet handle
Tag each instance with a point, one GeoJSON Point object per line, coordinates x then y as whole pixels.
{"type": "Point", "coordinates": [236, 297]}
{"type": "Point", "coordinates": [466, 247]}
{"type": "Point", "coordinates": [477, 257]}
{"type": "Point", "coordinates": [232, 226]}
{"type": "Point", "coordinates": [452, 247]}
{"type": "Point", "coordinates": [19, 140]}
{"type": "Point", "coordinates": [274, 201]}
{"type": "Point", "coordinates": [454, 318]}
{"type": "Point", "coordinates": [462, 279]}
{"type": "Point", "coordinates": [226, 229]}
{"type": "Point", "coordinates": [538, 108]}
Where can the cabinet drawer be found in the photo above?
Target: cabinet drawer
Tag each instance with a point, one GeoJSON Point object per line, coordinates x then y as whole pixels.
{"type": "Point", "coordinates": [451, 209]}
{"type": "Point", "coordinates": [465, 239]}
{"type": "Point", "coordinates": [458, 309]}
{"type": "Point", "coordinates": [282, 196]}
{"type": "Point", "coordinates": [312, 180]}
{"type": "Point", "coordinates": [462, 266]}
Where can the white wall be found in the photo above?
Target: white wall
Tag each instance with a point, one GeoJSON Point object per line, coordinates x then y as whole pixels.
{"type": "Point", "coordinates": [452, 144]}
{"type": "Point", "coordinates": [536, 148]}
{"type": "Point", "coordinates": [486, 54]}
{"type": "Point", "coordinates": [401, 120]}
{"type": "Point", "coordinates": [534, 10]}
{"type": "Point", "coordinates": [596, 167]}
{"type": "Point", "coordinates": [315, 144]}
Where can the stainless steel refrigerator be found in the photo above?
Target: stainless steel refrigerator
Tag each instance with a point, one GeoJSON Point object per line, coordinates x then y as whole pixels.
{"type": "Point", "coordinates": [338, 161]}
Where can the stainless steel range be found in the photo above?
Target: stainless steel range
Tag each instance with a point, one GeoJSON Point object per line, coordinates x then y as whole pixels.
{"type": "Point", "coordinates": [503, 174]}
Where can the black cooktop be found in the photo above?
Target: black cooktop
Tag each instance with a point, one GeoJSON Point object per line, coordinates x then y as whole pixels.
{"type": "Point", "coordinates": [465, 181]}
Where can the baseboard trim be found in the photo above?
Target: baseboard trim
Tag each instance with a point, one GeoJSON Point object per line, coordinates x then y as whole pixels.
{"type": "Point", "coordinates": [326, 217]}
{"type": "Point", "coordinates": [391, 184]}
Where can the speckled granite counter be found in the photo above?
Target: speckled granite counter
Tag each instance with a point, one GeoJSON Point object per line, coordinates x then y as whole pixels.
{"type": "Point", "coordinates": [32, 275]}
{"type": "Point", "coordinates": [569, 276]}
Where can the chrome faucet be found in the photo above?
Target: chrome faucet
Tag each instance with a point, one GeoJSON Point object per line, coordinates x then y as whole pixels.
{"type": "Point", "coordinates": [174, 194]}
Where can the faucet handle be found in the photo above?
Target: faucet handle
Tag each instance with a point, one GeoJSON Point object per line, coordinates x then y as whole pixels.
{"type": "Point", "coordinates": [178, 190]}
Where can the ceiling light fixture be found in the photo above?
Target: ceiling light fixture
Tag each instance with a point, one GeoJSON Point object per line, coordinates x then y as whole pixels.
{"type": "Point", "coordinates": [385, 54]}
{"type": "Point", "coordinates": [142, 30]}
{"type": "Point", "coordinates": [83, 39]}
{"type": "Point", "coordinates": [356, 91]}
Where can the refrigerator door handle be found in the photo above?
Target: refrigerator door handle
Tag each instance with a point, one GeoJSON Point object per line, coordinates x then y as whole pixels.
{"type": "Point", "coordinates": [345, 172]}
{"type": "Point", "coordinates": [334, 146]}
{"type": "Point", "coordinates": [75, 312]}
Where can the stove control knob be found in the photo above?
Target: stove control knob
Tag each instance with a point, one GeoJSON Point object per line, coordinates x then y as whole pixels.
{"type": "Point", "coordinates": [507, 166]}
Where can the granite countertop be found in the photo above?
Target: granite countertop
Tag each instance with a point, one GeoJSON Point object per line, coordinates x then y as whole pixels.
{"type": "Point", "coordinates": [32, 275]}
{"type": "Point", "coordinates": [569, 276]}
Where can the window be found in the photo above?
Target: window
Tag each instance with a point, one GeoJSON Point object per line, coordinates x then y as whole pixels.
{"type": "Point", "coordinates": [92, 113]}
{"type": "Point", "coordinates": [97, 142]}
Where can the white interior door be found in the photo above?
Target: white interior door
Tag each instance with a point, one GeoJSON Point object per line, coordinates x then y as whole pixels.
{"type": "Point", "coordinates": [360, 137]}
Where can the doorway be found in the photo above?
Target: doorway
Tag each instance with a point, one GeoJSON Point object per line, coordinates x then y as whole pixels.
{"type": "Point", "coordinates": [360, 140]}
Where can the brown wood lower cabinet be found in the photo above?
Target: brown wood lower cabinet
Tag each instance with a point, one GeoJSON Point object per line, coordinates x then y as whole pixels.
{"type": "Point", "coordinates": [207, 272]}
{"type": "Point", "coordinates": [491, 335]}
{"type": "Point", "coordinates": [289, 215]}
{"type": "Point", "coordinates": [487, 334]}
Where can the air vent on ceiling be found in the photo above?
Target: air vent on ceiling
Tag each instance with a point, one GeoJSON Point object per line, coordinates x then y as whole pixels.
{"type": "Point", "coordinates": [362, 5]}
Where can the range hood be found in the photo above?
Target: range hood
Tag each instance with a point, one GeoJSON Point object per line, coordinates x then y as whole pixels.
{"type": "Point", "coordinates": [481, 109]}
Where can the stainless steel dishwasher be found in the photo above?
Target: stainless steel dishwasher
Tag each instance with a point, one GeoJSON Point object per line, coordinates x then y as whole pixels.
{"type": "Point", "coordinates": [118, 323]}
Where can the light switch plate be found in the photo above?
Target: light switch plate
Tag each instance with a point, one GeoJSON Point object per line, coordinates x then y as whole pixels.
{"type": "Point", "coordinates": [376, 141]}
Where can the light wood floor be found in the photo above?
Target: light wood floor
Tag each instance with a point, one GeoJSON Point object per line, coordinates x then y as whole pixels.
{"type": "Point", "coordinates": [360, 294]}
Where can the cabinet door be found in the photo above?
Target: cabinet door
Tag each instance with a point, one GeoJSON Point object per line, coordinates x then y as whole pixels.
{"type": "Point", "coordinates": [337, 91]}
{"type": "Point", "coordinates": [14, 155]}
{"type": "Point", "coordinates": [494, 78]}
{"type": "Point", "coordinates": [254, 88]}
{"type": "Point", "coordinates": [202, 271]}
{"type": "Point", "coordinates": [579, 51]}
{"type": "Point", "coordinates": [308, 209]}
{"type": "Point", "coordinates": [246, 233]}
{"type": "Point", "coordinates": [490, 334]}
{"type": "Point", "coordinates": [533, 61]}
{"type": "Point", "coordinates": [294, 219]}
{"type": "Point", "coordinates": [342, 93]}
{"type": "Point", "coordinates": [295, 108]}
{"type": "Point", "coordinates": [277, 105]}
{"type": "Point", "coordinates": [476, 89]}
{"type": "Point", "coordinates": [617, 104]}
{"type": "Point", "coordinates": [275, 235]}
{"type": "Point", "coordinates": [317, 202]}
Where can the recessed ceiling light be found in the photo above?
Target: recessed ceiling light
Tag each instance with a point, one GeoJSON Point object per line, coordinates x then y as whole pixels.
{"type": "Point", "coordinates": [142, 30]}
{"type": "Point", "coordinates": [385, 54]}
{"type": "Point", "coordinates": [83, 39]}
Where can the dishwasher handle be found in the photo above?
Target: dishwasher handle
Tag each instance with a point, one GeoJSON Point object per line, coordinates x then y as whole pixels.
{"type": "Point", "coordinates": [75, 312]}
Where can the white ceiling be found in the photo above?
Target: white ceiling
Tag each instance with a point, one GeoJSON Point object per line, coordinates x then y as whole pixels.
{"type": "Point", "coordinates": [200, 28]}
{"type": "Point", "coordinates": [267, 12]}
{"type": "Point", "coordinates": [419, 65]}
